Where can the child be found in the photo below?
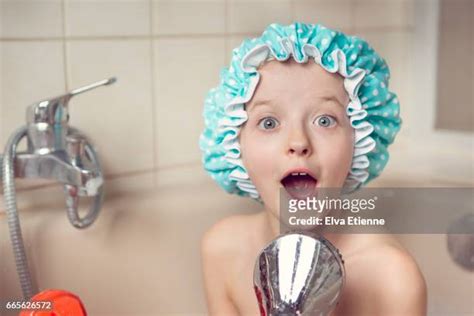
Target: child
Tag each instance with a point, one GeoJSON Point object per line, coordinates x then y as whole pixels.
{"type": "Point", "coordinates": [302, 107]}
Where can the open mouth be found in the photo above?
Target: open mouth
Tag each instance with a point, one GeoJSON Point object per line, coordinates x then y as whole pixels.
{"type": "Point", "coordinates": [300, 185]}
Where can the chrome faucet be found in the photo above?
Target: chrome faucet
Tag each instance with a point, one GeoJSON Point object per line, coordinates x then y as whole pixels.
{"type": "Point", "coordinates": [55, 151]}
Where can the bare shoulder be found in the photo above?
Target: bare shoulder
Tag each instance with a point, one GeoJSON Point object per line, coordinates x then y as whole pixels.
{"type": "Point", "coordinates": [383, 270]}
{"type": "Point", "coordinates": [227, 236]}
{"type": "Point", "coordinates": [397, 282]}
{"type": "Point", "coordinates": [381, 254]}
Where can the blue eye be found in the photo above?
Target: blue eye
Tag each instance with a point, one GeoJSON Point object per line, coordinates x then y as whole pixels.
{"type": "Point", "coordinates": [268, 123]}
{"type": "Point", "coordinates": [325, 121]}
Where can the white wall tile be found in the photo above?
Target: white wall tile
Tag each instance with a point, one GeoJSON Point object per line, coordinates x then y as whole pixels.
{"type": "Point", "coordinates": [107, 18]}
{"type": "Point", "coordinates": [118, 118]}
{"type": "Point", "coordinates": [397, 49]}
{"type": "Point", "coordinates": [232, 42]}
{"type": "Point", "coordinates": [129, 184]}
{"type": "Point", "coordinates": [336, 14]}
{"type": "Point", "coordinates": [188, 17]}
{"type": "Point", "coordinates": [31, 71]}
{"type": "Point", "coordinates": [245, 16]}
{"type": "Point", "coordinates": [186, 174]}
{"type": "Point", "coordinates": [30, 18]}
{"type": "Point", "coordinates": [185, 69]}
{"type": "Point", "coordinates": [472, 72]}
{"type": "Point", "coordinates": [1, 93]}
{"type": "Point", "coordinates": [375, 13]}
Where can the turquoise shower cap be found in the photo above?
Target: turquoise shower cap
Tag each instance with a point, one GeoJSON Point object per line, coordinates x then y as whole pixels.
{"type": "Point", "coordinates": [373, 110]}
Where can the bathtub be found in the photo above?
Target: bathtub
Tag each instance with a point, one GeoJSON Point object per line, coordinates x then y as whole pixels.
{"type": "Point", "coordinates": [141, 257]}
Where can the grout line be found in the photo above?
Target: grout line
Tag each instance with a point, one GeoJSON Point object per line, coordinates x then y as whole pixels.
{"type": "Point", "coordinates": [226, 17]}
{"type": "Point", "coordinates": [353, 6]}
{"type": "Point", "coordinates": [227, 58]}
{"type": "Point", "coordinates": [178, 165]}
{"type": "Point", "coordinates": [184, 35]}
{"type": "Point", "coordinates": [293, 11]}
{"type": "Point", "coordinates": [384, 29]}
{"type": "Point", "coordinates": [132, 37]}
{"type": "Point", "coordinates": [31, 39]}
{"type": "Point", "coordinates": [154, 104]}
{"type": "Point", "coordinates": [117, 176]}
{"type": "Point", "coordinates": [65, 55]}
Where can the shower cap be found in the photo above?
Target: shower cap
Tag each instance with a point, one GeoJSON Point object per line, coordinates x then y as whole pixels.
{"type": "Point", "coordinates": [373, 110]}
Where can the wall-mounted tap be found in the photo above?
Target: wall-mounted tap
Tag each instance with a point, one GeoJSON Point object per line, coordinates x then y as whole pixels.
{"type": "Point", "coordinates": [55, 151]}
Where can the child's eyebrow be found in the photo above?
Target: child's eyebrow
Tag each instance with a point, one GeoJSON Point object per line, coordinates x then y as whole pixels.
{"type": "Point", "coordinates": [259, 102]}
{"type": "Point", "coordinates": [331, 98]}
{"type": "Point", "coordinates": [323, 98]}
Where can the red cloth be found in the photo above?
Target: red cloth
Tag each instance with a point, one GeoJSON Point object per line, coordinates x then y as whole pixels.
{"type": "Point", "coordinates": [63, 304]}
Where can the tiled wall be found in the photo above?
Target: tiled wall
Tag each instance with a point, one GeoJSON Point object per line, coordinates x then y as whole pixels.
{"type": "Point", "coordinates": [166, 55]}
{"type": "Point", "coordinates": [455, 110]}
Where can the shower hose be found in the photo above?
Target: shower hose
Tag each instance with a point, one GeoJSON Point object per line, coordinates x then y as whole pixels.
{"type": "Point", "coordinates": [7, 173]}
{"type": "Point", "coordinates": [8, 176]}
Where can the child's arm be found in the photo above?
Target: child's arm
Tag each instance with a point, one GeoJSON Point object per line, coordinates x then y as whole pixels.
{"type": "Point", "coordinates": [214, 263]}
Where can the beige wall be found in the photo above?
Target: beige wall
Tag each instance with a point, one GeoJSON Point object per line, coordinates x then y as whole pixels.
{"type": "Point", "coordinates": [455, 66]}
{"type": "Point", "coordinates": [143, 250]}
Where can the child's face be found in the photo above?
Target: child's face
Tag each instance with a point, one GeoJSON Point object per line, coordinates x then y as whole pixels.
{"type": "Point", "coordinates": [297, 123]}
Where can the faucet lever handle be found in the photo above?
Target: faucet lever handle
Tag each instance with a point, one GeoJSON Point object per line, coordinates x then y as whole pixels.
{"type": "Point", "coordinates": [54, 110]}
{"type": "Point", "coordinates": [94, 85]}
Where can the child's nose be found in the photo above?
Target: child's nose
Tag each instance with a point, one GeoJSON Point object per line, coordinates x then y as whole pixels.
{"type": "Point", "coordinates": [299, 144]}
